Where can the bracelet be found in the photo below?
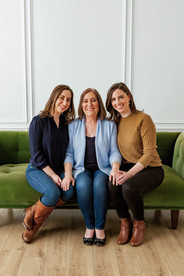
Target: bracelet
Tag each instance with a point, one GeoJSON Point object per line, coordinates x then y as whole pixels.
{"type": "Point", "coordinates": [115, 169]}
{"type": "Point", "coordinates": [68, 173]}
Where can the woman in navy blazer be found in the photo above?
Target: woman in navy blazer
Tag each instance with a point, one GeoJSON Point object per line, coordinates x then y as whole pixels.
{"type": "Point", "coordinates": [93, 153]}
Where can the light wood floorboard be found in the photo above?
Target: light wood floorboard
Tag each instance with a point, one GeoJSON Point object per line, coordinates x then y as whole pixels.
{"type": "Point", "coordinates": [58, 248]}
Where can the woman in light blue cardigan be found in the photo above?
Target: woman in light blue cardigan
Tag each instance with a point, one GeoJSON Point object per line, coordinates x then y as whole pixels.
{"type": "Point", "coordinates": [94, 156]}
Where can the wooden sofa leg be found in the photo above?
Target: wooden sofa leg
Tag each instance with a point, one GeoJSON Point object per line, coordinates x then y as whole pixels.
{"type": "Point", "coordinates": [174, 218]}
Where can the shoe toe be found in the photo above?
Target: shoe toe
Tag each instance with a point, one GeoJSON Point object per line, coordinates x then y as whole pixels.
{"type": "Point", "coordinates": [100, 242]}
{"type": "Point", "coordinates": [88, 241]}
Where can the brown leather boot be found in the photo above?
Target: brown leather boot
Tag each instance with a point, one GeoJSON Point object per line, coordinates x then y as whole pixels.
{"type": "Point", "coordinates": [138, 232]}
{"type": "Point", "coordinates": [30, 212]}
{"type": "Point", "coordinates": [29, 217]}
{"type": "Point", "coordinates": [125, 232]}
{"type": "Point", "coordinates": [59, 203]}
{"type": "Point", "coordinates": [41, 213]}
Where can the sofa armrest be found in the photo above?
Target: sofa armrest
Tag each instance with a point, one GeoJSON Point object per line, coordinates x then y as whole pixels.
{"type": "Point", "coordinates": [178, 157]}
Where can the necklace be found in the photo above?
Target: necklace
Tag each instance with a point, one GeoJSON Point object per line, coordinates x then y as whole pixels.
{"type": "Point", "coordinates": [91, 130]}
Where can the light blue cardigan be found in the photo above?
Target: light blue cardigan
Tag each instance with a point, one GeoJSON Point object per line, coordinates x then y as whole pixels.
{"type": "Point", "coordinates": [105, 144]}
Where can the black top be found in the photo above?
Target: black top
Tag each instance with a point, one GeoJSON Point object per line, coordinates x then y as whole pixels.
{"type": "Point", "coordinates": [48, 143]}
{"type": "Point", "coordinates": [90, 154]}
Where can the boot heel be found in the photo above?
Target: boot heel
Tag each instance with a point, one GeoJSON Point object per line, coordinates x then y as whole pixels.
{"type": "Point", "coordinates": [138, 233]}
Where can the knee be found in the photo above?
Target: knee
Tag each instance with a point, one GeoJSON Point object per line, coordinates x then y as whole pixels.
{"type": "Point", "coordinates": [100, 189]}
{"type": "Point", "coordinates": [52, 196]}
{"type": "Point", "coordinates": [84, 192]}
{"type": "Point", "coordinates": [127, 189]}
{"type": "Point", "coordinates": [67, 195]}
{"type": "Point", "coordinates": [113, 189]}
{"type": "Point", "coordinates": [83, 185]}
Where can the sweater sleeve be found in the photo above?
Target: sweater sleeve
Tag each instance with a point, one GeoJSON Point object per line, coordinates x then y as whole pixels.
{"type": "Point", "coordinates": [148, 136]}
{"type": "Point", "coordinates": [114, 155]}
{"type": "Point", "coordinates": [69, 158]}
{"type": "Point", "coordinates": [38, 158]}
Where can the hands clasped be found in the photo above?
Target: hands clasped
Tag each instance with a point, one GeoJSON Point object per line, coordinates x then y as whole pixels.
{"type": "Point", "coordinates": [119, 177]}
{"type": "Point", "coordinates": [65, 183]}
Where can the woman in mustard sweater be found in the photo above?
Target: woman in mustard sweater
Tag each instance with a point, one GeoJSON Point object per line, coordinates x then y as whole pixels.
{"type": "Point", "coordinates": [141, 169]}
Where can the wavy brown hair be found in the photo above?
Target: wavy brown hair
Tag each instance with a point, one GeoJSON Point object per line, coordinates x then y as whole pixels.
{"type": "Point", "coordinates": [101, 112]}
{"type": "Point", "coordinates": [49, 109]}
{"type": "Point", "coordinates": [114, 114]}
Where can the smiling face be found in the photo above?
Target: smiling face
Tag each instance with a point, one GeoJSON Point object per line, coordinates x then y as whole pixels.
{"type": "Point", "coordinates": [63, 102]}
{"type": "Point", "coordinates": [120, 102]}
{"type": "Point", "coordinates": [90, 105]}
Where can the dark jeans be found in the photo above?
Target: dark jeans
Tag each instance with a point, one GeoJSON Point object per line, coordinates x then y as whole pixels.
{"type": "Point", "coordinates": [93, 197]}
{"type": "Point", "coordinates": [129, 195]}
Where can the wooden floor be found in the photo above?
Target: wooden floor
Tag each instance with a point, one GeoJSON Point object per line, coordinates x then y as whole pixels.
{"type": "Point", "coordinates": [58, 248]}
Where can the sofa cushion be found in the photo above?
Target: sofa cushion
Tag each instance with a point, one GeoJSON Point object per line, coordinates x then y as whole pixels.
{"type": "Point", "coordinates": [169, 195]}
{"type": "Point", "coordinates": [15, 192]}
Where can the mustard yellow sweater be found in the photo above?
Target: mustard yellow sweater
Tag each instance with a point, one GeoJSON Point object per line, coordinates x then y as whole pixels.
{"type": "Point", "coordinates": [137, 140]}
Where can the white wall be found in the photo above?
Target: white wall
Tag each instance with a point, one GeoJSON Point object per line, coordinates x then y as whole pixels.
{"type": "Point", "coordinates": [12, 63]}
{"type": "Point", "coordinates": [158, 60]}
{"type": "Point", "coordinates": [76, 42]}
{"type": "Point", "coordinates": [86, 43]}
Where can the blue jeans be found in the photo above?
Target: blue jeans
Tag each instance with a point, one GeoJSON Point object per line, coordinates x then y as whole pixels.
{"type": "Point", "coordinates": [42, 183]}
{"type": "Point", "coordinates": [93, 197]}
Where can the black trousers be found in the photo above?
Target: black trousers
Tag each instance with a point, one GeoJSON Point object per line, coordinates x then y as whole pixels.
{"type": "Point", "coordinates": [129, 195]}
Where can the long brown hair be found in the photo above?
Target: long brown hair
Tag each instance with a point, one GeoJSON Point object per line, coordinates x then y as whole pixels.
{"type": "Point", "coordinates": [114, 114]}
{"type": "Point", "coordinates": [101, 112]}
{"type": "Point", "coordinates": [49, 109]}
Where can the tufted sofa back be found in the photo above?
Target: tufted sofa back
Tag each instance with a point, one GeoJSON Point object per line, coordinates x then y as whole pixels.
{"type": "Point", "coordinates": [178, 158]}
{"type": "Point", "coordinates": [14, 147]}
{"type": "Point", "coordinates": [166, 142]}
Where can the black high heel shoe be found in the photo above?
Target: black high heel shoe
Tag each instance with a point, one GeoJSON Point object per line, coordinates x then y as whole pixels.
{"type": "Point", "coordinates": [100, 242]}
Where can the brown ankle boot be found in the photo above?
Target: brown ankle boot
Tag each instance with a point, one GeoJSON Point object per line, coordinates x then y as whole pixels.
{"type": "Point", "coordinates": [29, 217]}
{"type": "Point", "coordinates": [126, 231]}
{"type": "Point", "coordinates": [138, 232]}
{"type": "Point", "coordinates": [41, 213]}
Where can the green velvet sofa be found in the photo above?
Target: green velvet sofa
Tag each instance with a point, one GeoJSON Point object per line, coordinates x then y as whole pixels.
{"type": "Point", "coordinates": [15, 192]}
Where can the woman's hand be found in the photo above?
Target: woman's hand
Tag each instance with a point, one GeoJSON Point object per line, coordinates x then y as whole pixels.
{"type": "Point", "coordinates": [114, 172]}
{"type": "Point", "coordinates": [123, 176]}
{"type": "Point", "coordinates": [57, 180]}
{"type": "Point", "coordinates": [114, 176]}
{"type": "Point", "coordinates": [66, 182]}
{"type": "Point", "coordinates": [126, 175]}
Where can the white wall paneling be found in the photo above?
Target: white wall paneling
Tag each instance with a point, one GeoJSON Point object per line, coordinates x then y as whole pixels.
{"type": "Point", "coordinates": [29, 58]}
{"type": "Point", "coordinates": [77, 42]}
{"type": "Point", "coordinates": [86, 43]}
{"type": "Point", "coordinates": [127, 42]}
{"type": "Point", "coordinates": [158, 61]}
{"type": "Point", "coordinates": [13, 65]}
